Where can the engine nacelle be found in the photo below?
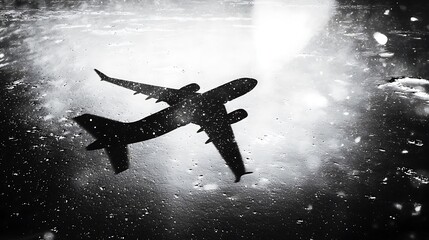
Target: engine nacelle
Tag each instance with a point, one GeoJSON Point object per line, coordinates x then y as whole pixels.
{"type": "Point", "coordinates": [193, 87]}
{"type": "Point", "coordinates": [236, 116]}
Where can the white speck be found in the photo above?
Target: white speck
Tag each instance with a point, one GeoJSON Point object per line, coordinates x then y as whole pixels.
{"type": "Point", "coordinates": [387, 12]}
{"type": "Point", "coordinates": [235, 198]}
{"type": "Point", "coordinates": [309, 207]}
{"type": "Point", "coordinates": [381, 150]}
{"type": "Point", "coordinates": [48, 236]}
{"type": "Point", "coordinates": [211, 186]}
{"type": "Point", "coordinates": [299, 221]}
{"type": "Point", "coordinates": [398, 206]}
{"type": "Point", "coordinates": [413, 19]}
{"type": "Point", "coordinates": [371, 197]}
{"type": "Point", "coordinates": [417, 209]}
{"type": "Point", "coordinates": [404, 151]}
{"type": "Point", "coordinates": [380, 38]}
{"type": "Point", "coordinates": [386, 54]}
{"type": "Point", "coordinates": [357, 140]}
{"type": "Point", "coordinates": [346, 113]}
{"type": "Point", "coordinates": [341, 194]}
{"type": "Point", "coordinates": [419, 143]}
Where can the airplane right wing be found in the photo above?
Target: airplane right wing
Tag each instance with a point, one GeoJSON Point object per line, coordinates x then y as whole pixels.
{"type": "Point", "coordinates": [169, 95]}
{"type": "Point", "coordinates": [118, 155]}
{"type": "Point", "coordinates": [221, 135]}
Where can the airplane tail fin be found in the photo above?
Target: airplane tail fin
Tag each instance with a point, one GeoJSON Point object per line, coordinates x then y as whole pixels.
{"type": "Point", "coordinates": [103, 76]}
{"type": "Point", "coordinates": [104, 130]}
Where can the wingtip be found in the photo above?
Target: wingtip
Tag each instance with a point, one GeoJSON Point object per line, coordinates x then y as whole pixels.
{"type": "Point", "coordinates": [238, 178]}
{"type": "Point", "coordinates": [101, 75]}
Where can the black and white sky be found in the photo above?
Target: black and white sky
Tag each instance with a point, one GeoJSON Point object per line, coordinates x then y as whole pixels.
{"type": "Point", "coordinates": [336, 134]}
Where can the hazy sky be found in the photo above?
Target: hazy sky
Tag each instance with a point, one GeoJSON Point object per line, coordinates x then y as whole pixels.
{"type": "Point", "coordinates": [325, 134]}
{"type": "Point", "coordinates": [295, 113]}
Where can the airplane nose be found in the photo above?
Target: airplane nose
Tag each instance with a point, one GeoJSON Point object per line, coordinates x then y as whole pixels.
{"type": "Point", "coordinates": [244, 84]}
{"type": "Point", "coordinates": [251, 82]}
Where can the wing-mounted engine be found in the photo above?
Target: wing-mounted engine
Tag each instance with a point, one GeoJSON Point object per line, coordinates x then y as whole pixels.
{"type": "Point", "coordinates": [236, 116]}
{"type": "Point", "coordinates": [193, 87]}
{"type": "Point", "coordinates": [159, 96]}
{"type": "Point", "coordinates": [172, 97]}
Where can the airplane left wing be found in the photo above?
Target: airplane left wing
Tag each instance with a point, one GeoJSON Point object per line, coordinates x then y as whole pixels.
{"type": "Point", "coordinates": [169, 95]}
{"type": "Point", "coordinates": [220, 133]}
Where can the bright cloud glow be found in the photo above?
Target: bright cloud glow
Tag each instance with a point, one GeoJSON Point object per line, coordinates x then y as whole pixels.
{"type": "Point", "coordinates": [210, 187]}
{"type": "Point", "coordinates": [282, 29]}
{"type": "Point", "coordinates": [314, 100]}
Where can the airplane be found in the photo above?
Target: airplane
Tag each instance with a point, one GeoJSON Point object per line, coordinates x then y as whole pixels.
{"type": "Point", "coordinates": [185, 106]}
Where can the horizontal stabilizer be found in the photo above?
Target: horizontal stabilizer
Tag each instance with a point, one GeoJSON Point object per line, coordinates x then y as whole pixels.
{"type": "Point", "coordinates": [106, 130]}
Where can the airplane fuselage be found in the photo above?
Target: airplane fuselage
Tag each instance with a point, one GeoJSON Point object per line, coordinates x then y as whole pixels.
{"type": "Point", "coordinates": [193, 109]}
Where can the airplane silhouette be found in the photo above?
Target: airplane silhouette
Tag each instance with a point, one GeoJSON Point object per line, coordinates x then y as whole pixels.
{"type": "Point", "coordinates": [186, 106]}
